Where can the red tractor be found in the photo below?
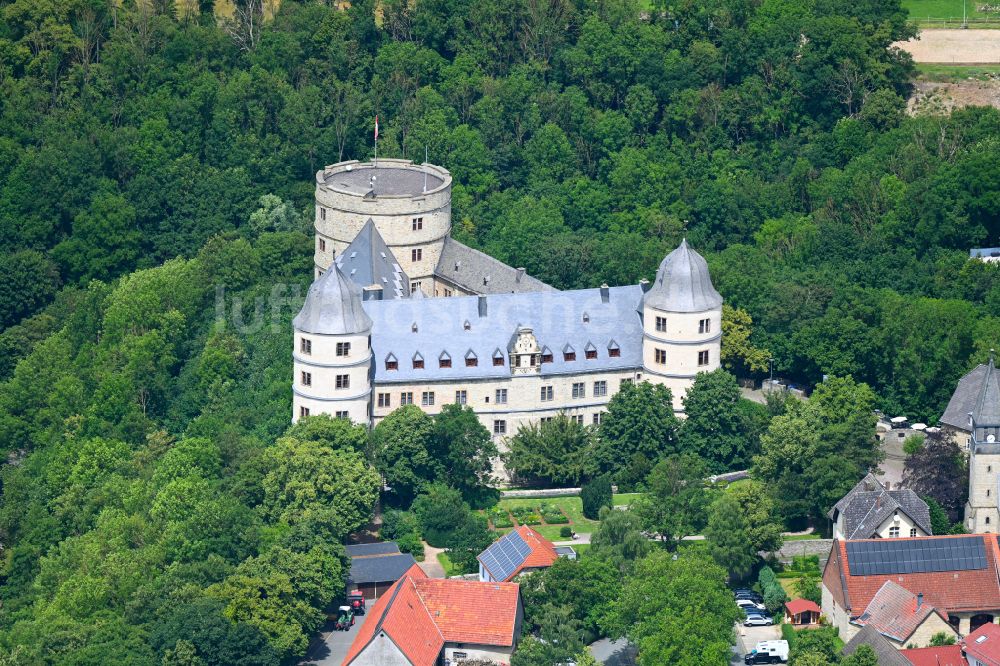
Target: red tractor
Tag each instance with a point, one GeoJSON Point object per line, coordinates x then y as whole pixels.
{"type": "Point", "coordinates": [356, 600]}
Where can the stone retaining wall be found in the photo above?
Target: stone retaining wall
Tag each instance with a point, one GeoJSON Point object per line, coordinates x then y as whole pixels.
{"type": "Point", "coordinates": [530, 494]}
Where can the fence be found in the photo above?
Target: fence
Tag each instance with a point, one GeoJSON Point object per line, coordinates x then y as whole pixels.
{"type": "Point", "coordinates": [956, 22]}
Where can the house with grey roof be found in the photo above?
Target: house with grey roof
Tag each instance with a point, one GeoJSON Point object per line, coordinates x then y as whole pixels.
{"type": "Point", "coordinates": [886, 652]}
{"type": "Point", "coordinates": [869, 511]}
{"type": "Point", "coordinates": [402, 314]}
{"type": "Point", "coordinates": [376, 566]}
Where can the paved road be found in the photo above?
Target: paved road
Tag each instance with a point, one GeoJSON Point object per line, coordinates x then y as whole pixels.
{"type": "Point", "coordinates": [614, 653]}
{"type": "Point", "coordinates": [431, 566]}
{"type": "Point", "coordinates": [330, 647]}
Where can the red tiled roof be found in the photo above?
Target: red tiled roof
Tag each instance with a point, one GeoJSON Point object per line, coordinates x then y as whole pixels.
{"type": "Point", "coordinates": [948, 591]}
{"type": "Point", "coordinates": [984, 644]}
{"type": "Point", "coordinates": [894, 611]}
{"type": "Point", "coordinates": [947, 655]}
{"type": "Point", "coordinates": [405, 620]}
{"type": "Point", "coordinates": [796, 606]}
{"type": "Point", "coordinates": [542, 553]}
{"type": "Point", "coordinates": [468, 611]}
{"type": "Point", "coordinates": [420, 614]}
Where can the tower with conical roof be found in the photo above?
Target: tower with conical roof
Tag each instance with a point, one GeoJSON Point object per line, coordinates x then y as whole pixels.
{"type": "Point", "coordinates": [682, 323]}
{"type": "Point", "coordinates": [332, 354]}
{"type": "Point", "coordinates": [981, 515]}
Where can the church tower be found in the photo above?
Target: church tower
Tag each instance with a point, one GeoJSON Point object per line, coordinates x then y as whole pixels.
{"type": "Point", "coordinates": [332, 356]}
{"type": "Point", "coordinates": [981, 515]}
{"type": "Point", "coordinates": [682, 323]}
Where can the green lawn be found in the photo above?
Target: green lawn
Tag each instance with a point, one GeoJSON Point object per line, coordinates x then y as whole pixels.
{"type": "Point", "coordinates": [449, 568]}
{"type": "Point", "coordinates": [571, 506]}
{"type": "Point", "coordinates": [802, 537]}
{"type": "Point", "coordinates": [949, 73]}
{"type": "Point", "coordinates": [938, 9]}
{"type": "Point", "coordinates": [624, 499]}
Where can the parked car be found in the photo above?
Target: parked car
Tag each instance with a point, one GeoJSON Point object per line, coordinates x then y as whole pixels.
{"type": "Point", "coordinates": [760, 658]}
{"type": "Point", "coordinates": [747, 603]}
{"type": "Point", "coordinates": [757, 620]}
{"type": "Point", "coordinates": [752, 596]}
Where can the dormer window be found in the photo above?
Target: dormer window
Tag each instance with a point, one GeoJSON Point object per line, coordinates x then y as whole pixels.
{"type": "Point", "coordinates": [590, 351]}
{"type": "Point", "coordinates": [614, 351]}
{"type": "Point", "coordinates": [391, 363]}
{"type": "Point", "coordinates": [418, 361]}
{"type": "Point", "coordinates": [413, 327]}
{"type": "Point", "coordinates": [444, 360]}
{"type": "Point", "coordinates": [471, 360]}
{"type": "Point", "coordinates": [467, 326]}
{"type": "Point", "coordinates": [498, 358]}
{"type": "Point", "coordinates": [546, 355]}
{"type": "Point", "coordinates": [569, 354]}
{"type": "Point", "coordinates": [586, 318]}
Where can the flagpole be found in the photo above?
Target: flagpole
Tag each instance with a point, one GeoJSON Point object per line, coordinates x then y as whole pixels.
{"type": "Point", "coordinates": [376, 142]}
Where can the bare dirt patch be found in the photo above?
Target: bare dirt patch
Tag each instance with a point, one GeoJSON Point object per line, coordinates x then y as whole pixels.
{"type": "Point", "coordinates": [930, 97]}
{"type": "Point", "coordinates": [958, 47]}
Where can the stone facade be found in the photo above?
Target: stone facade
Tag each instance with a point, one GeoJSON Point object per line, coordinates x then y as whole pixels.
{"type": "Point", "coordinates": [413, 222]}
{"type": "Point", "coordinates": [516, 353]}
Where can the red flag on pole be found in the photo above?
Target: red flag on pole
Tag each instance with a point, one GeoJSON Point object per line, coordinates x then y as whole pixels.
{"type": "Point", "coordinates": [376, 128]}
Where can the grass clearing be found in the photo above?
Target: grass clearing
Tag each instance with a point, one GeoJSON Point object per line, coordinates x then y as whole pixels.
{"type": "Point", "coordinates": [624, 499]}
{"type": "Point", "coordinates": [802, 537]}
{"type": "Point", "coordinates": [449, 568]}
{"type": "Point", "coordinates": [954, 73]}
{"type": "Point", "coordinates": [922, 10]}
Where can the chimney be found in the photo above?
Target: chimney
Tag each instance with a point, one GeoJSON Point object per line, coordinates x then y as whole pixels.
{"type": "Point", "coordinates": [920, 599]}
{"type": "Point", "coordinates": [482, 305]}
{"type": "Point", "coordinates": [644, 283]}
{"type": "Point", "coordinates": [605, 293]}
{"type": "Point", "coordinates": [520, 274]}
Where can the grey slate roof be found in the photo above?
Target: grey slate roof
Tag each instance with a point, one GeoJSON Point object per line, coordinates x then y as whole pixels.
{"type": "Point", "coordinates": [868, 504]}
{"type": "Point", "coordinates": [888, 655]}
{"type": "Point", "coordinates": [978, 393]}
{"type": "Point", "coordinates": [980, 252]}
{"type": "Point", "coordinates": [964, 399]}
{"type": "Point", "coordinates": [332, 306]}
{"type": "Point", "coordinates": [368, 261]}
{"type": "Point", "coordinates": [366, 549]}
{"type": "Point", "coordinates": [480, 273]}
{"type": "Point", "coordinates": [556, 318]}
{"type": "Point", "coordinates": [683, 284]}
{"type": "Point", "coordinates": [379, 568]}
{"type": "Point", "coordinates": [894, 612]}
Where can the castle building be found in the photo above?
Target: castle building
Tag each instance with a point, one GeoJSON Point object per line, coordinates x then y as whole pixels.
{"type": "Point", "coordinates": [371, 337]}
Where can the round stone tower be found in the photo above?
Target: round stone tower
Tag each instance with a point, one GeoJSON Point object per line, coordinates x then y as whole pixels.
{"type": "Point", "coordinates": [410, 205]}
{"type": "Point", "coordinates": [682, 323]}
{"type": "Point", "coordinates": [332, 354]}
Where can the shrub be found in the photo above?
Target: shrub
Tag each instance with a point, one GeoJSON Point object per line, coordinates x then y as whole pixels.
{"type": "Point", "coordinates": [566, 532]}
{"type": "Point", "coordinates": [397, 524]}
{"type": "Point", "coordinates": [441, 512]}
{"type": "Point", "coordinates": [500, 518]}
{"type": "Point", "coordinates": [913, 444]}
{"type": "Point", "coordinates": [411, 543]}
{"type": "Point", "coordinates": [553, 515]}
{"type": "Point", "coordinates": [595, 494]}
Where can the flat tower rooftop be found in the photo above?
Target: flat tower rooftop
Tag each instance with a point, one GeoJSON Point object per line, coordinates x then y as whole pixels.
{"type": "Point", "coordinates": [392, 178]}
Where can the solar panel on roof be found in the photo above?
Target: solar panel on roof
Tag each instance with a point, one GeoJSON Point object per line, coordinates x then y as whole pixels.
{"type": "Point", "coordinates": [888, 556]}
{"type": "Point", "coordinates": [504, 556]}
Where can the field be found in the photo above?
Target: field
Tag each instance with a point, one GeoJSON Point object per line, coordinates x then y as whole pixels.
{"type": "Point", "coordinates": [923, 11]}
{"type": "Point", "coordinates": [956, 73]}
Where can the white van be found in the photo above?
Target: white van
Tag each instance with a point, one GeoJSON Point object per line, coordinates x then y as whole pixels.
{"type": "Point", "coordinates": [777, 649]}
